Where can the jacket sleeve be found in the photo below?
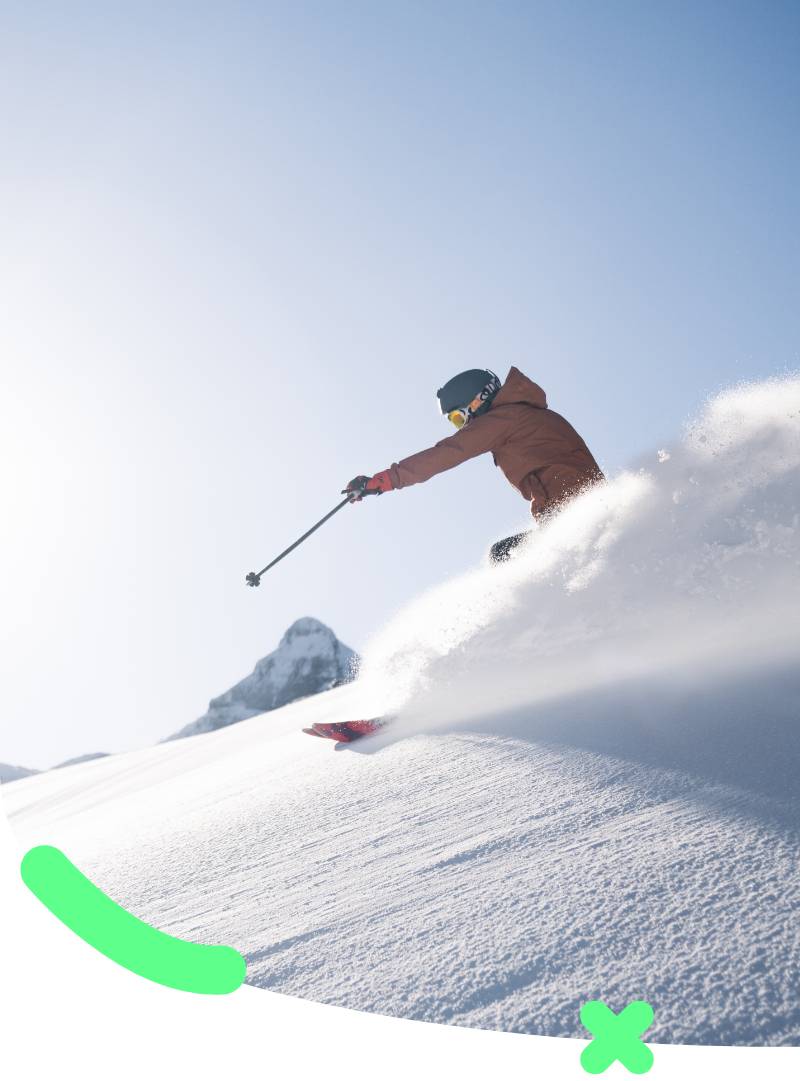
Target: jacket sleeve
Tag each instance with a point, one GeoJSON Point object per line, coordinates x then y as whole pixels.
{"type": "Point", "coordinates": [480, 435]}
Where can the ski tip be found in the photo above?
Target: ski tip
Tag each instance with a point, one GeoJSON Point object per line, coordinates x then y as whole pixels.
{"type": "Point", "coordinates": [346, 731]}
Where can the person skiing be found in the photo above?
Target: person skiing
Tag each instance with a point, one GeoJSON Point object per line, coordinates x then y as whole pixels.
{"type": "Point", "coordinates": [539, 452]}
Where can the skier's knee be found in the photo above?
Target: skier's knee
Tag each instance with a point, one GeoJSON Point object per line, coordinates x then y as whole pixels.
{"type": "Point", "coordinates": [501, 550]}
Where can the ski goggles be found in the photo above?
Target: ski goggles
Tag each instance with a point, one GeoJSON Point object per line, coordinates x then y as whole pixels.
{"type": "Point", "coordinates": [459, 417]}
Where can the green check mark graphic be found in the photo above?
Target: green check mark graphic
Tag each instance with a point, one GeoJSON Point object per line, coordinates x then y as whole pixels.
{"type": "Point", "coordinates": [94, 917]}
{"type": "Point", "coordinates": [616, 1036]}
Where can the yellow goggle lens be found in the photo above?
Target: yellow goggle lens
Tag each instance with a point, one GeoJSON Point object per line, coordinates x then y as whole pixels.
{"type": "Point", "coordinates": [459, 417]}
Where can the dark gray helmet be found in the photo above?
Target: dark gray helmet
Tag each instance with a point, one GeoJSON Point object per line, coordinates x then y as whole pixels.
{"type": "Point", "coordinates": [462, 390]}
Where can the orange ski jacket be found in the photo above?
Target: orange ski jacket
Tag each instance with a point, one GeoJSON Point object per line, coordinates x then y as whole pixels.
{"type": "Point", "coordinates": [539, 452]}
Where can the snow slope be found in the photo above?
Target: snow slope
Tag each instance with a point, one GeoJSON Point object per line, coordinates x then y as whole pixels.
{"type": "Point", "coordinates": [591, 790]}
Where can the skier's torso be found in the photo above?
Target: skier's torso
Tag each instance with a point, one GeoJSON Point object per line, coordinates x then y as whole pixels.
{"type": "Point", "coordinates": [542, 456]}
{"type": "Point", "coordinates": [539, 452]}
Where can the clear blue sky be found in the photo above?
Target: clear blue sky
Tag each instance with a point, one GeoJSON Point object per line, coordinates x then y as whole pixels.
{"type": "Point", "coordinates": [242, 246]}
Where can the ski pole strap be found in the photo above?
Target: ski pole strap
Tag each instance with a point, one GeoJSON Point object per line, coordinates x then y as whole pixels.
{"type": "Point", "coordinates": [254, 579]}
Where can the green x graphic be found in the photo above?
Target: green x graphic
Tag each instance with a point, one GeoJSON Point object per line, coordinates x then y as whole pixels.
{"type": "Point", "coordinates": [616, 1036]}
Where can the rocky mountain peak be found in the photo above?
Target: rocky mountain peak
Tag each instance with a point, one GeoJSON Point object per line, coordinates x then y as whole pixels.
{"type": "Point", "coordinates": [309, 659]}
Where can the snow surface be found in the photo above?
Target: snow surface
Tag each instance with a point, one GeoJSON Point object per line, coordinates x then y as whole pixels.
{"type": "Point", "coordinates": [591, 789]}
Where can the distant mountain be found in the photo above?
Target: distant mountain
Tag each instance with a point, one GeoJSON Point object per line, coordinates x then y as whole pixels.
{"type": "Point", "coordinates": [81, 758]}
{"type": "Point", "coordinates": [309, 659]}
{"type": "Point", "coordinates": [13, 773]}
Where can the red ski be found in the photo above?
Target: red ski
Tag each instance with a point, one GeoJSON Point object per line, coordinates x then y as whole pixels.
{"type": "Point", "coordinates": [346, 731]}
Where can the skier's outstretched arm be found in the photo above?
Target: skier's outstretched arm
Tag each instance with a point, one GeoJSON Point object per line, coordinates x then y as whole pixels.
{"type": "Point", "coordinates": [482, 434]}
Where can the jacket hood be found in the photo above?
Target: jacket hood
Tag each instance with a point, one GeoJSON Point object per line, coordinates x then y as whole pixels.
{"type": "Point", "coordinates": [518, 388]}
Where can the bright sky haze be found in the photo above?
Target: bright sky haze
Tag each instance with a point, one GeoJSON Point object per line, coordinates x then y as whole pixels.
{"type": "Point", "coordinates": [242, 247]}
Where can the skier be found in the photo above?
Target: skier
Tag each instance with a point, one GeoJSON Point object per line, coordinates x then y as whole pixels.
{"type": "Point", "coordinates": [539, 452]}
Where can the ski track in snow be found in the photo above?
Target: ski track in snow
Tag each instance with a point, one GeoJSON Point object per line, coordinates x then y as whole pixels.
{"type": "Point", "coordinates": [591, 791]}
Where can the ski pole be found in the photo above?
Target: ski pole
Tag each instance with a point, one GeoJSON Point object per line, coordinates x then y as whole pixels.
{"type": "Point", "coordinates": [254, 579]}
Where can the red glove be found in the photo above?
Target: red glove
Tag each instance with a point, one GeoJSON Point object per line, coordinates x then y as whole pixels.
{"type": "Point", "coordinates": [361, 486]}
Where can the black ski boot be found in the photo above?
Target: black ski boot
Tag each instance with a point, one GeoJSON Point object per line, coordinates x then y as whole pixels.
{"type": "Point", "coordinates": [501, 550]}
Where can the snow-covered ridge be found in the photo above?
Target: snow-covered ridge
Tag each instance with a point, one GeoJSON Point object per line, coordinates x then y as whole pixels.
{"type": "Point", "coordinates": [309, 659]}
{"type": "Point", "coordinates": [14, 773]}
{"type": "Point", "coordinates": [81, 758]}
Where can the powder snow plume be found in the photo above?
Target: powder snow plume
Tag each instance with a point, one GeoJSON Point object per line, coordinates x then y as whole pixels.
{"type": "Point", "coordinates": [678, 577]}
